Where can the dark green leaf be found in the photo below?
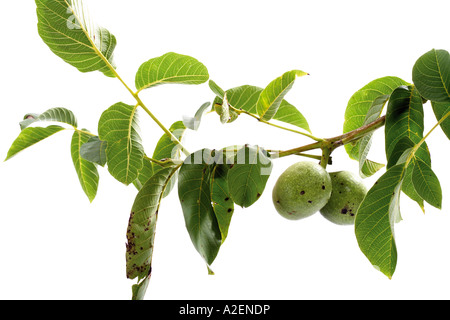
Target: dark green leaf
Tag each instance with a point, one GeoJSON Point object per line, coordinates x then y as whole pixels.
{"type": "Point", "coordinates": [94, 150]}
{"type": "Point", "coordinates": [431, 75]}
{"type": "Point", "coordinates": [67, 29]}
{"type": "Point", "coordinates": [405, 124]}
{"type": "Point", "coordinates": [248, 175]}
{"type": "Point", "coordinates": [171, 68]}
{"type": "Point", "coordinates": [30, 136]}
{"type": "Point", "coordinates": [86, 170]}
{"type": "Point", "coordinates": [194, 191]}
{"type": "Point", "coordinates": [374, 223]}
{"type": "Point", "coordinates": [270, 98]}
{"type": "Point", "coordinates": [118, 126]}
{"type": "Point", "coordinates": [360, 103]}
{"type": "Point", "coordinates": [221, 197]}
{"type": "Point", "coordinates": [440, 110]}
{"type": "Point", "coordinates": [404, 118]}
{"type": "Point", "coordinates": [427, 183]}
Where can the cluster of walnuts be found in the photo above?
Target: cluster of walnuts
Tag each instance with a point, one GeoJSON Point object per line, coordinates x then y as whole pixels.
{"type": "Point", "coordinates": [306, 187]}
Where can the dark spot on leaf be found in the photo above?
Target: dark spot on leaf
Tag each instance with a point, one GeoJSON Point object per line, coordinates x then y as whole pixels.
{"type": "Point", "coordinates": [226, 199]}
{"type": "Point", "coordinates": [309, 201]}
{"type": "Point", "coordinates": [323, 187]}
{"type": "Point", "coordinates": [230, 210]}
{"type": "Point", "coordinates": [258, 195]}
{"type": "Point", "coordinates": [344, 211]}
{"type": "Point", "coordinates": [302, 192]}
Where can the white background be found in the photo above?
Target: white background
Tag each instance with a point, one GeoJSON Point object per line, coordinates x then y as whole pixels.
{"type": "Point", "coordinates": [54, 244]}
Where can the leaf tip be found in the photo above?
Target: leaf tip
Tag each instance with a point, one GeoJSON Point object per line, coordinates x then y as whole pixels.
{"type": "Point", "coordinates": [210, 271]}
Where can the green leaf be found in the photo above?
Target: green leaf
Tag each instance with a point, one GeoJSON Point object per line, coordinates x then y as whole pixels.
{"type": "Point", "coordinates": [94, 150]}
{"type": "Point", "coordinates": [440, 110]}
{"type": "Point", "coordinates": [118, 126]}
{"type": "Point", "coordinates": [168, 149]}
{"type": "Point", "coordinates": [216, 89]}
{"type": "Point", "coordinates": [30, 136]}
{"type": "Point", "coordinates": [431, 75]}
{"type": "Point", "coordinates": [221, 197]}
{"type": "Point", "coordinates": [427, 183]}
{"type": "Point", "coordinates": [171, 68]}
{"type": "Point", "coordinates": [86, 170]}
{"type": "Point", "coordinates": [139, 290]}
{"type": "Point", "coordinates": [248, 175]}
{"type": "Point", "coordinates": [194, 191]}
{"type": "Point", "coordinates": [271, 97]}
{"type": "Point", "coordinates": [367, 167]}
{"type": "Point", "coordinates": [405, 124]}
{"type": "Point", "coordinates": [193, 123]}
{"type": "Point", "coordinates": [62, 115]}
{"type": "Point", "coordinates": [374, 223]}
{"type": "Point", "coordinates": [67, 29]}
{"type": "Point", "coordinates": [288, 113]}
{"type": "Point", "coordinates": [360, 103]}
{"type": "Point", "coordinates": [141, 229]}
{"type": "Point", "coordinates": [144, 174]}
{"type": "Point", "coordinates": [246, 98]}
{"type": "Point", "coordinates": [404, 118]}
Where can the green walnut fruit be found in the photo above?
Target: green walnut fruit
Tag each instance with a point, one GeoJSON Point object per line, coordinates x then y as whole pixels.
{"type": "Point", "coordinates": [302, 190]}
{"type": "Point", "coordinates": [347, 194]}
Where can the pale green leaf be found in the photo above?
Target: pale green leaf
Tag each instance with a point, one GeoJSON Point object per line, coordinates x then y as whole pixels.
{"type": "Point", "coordinates": [171, 68]}
{"type": "Point", "coordinates": [431, 75]}
{"type": "Point", "coordinates": [62, 115]}
{"type": "Point", "coordinates": [246, 98]}
{"type": "Point", "coordinates": [193, 123]}
{"type": "Point", "coordinates": [30, 136]}
{"type": "Point", "coordinates": [94, 150]}
{"type": "Point", "coordinates": [67, 29]}
{"type": "Point", "coordinates": [118, 126]}
{"type": "Point", "coordinates": [219, 92]}
{"type": "Point", "coordinates": [86, 170]}
{"type": "Point", "coordinates": [367, 167]}
{"type": "Point", "coordinates": [360, 103]}
{"type": "Point", "coordinates": [270, 98]}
